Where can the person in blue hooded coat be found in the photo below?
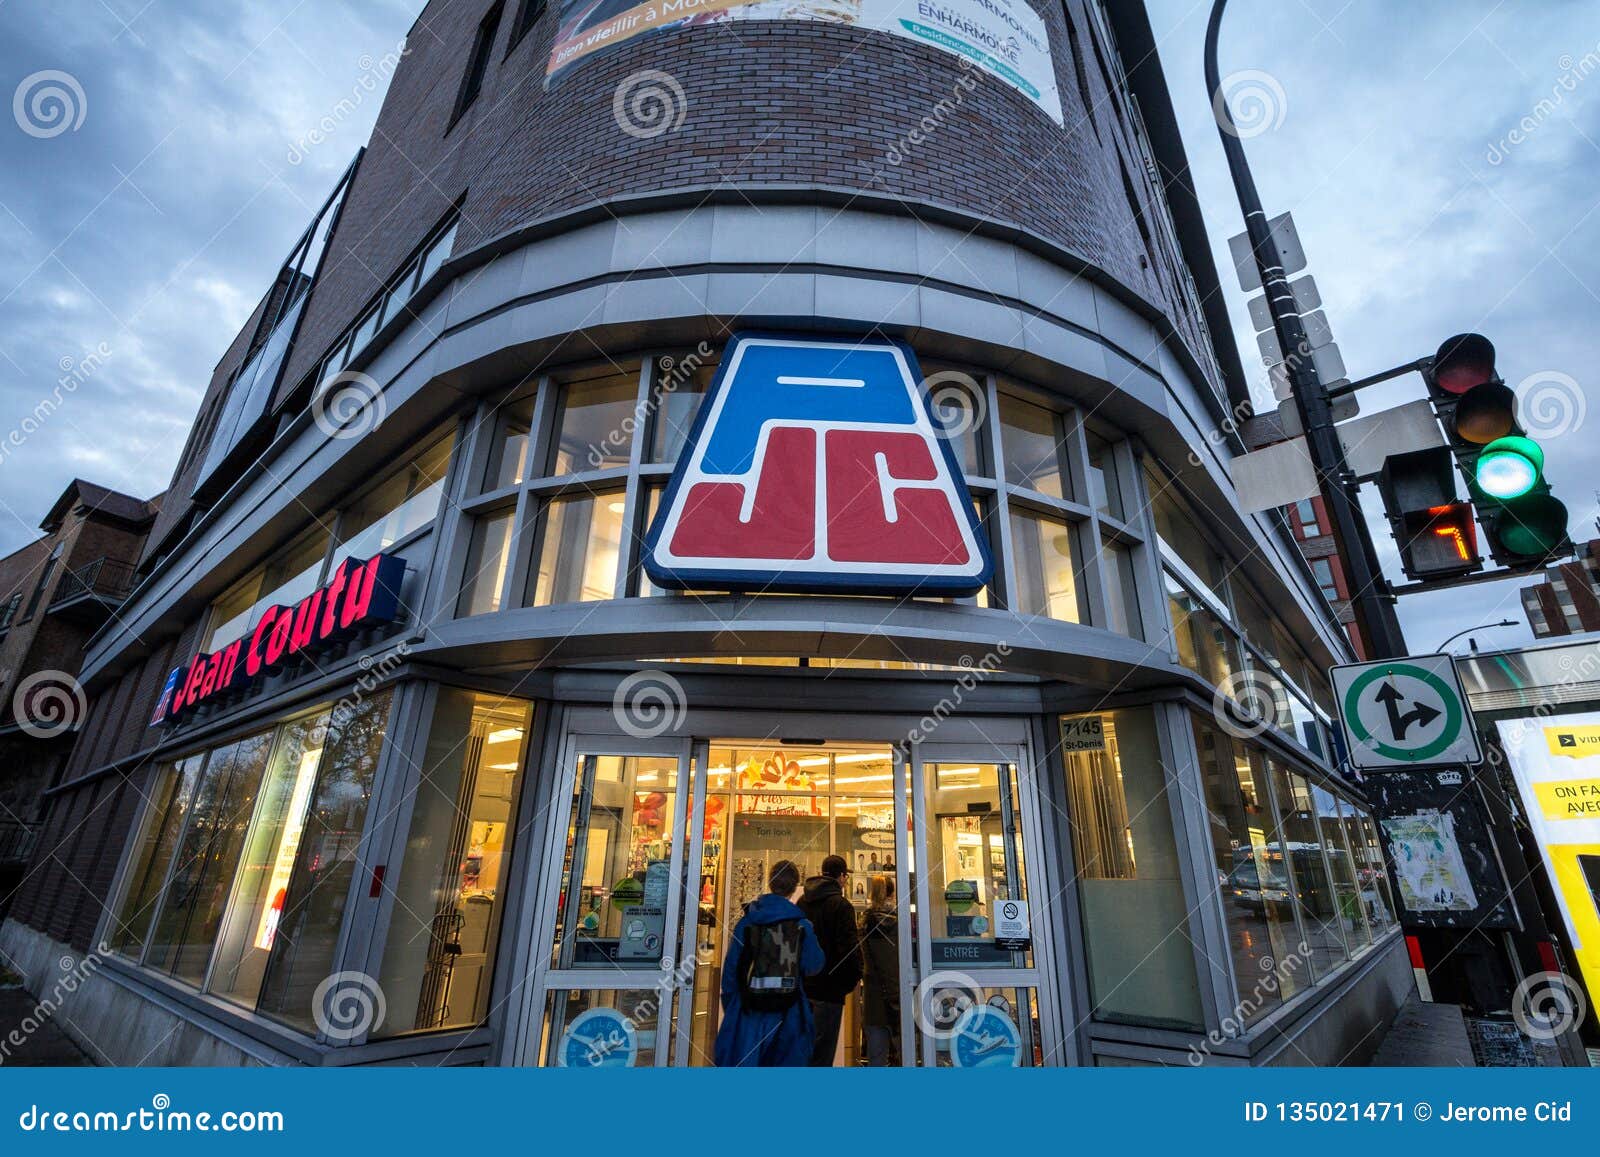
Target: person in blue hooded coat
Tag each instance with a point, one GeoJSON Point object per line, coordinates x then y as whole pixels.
{"type": "Point", "coordinates": [760, 1039]}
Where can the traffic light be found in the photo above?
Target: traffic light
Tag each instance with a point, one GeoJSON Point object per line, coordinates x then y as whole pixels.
{"type": "Point", "coordinates": [1525, 525]}
{"type": "Point", "coordinates": [1435, 532]}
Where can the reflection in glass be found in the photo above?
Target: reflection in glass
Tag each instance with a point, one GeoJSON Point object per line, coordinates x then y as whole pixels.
{"type": "Point", "coordinates": [304, 947]}
{"type": "Point", "coordinates": [595, 424]}
{"type": "Point", "coordinates": [1044, 563]}
{"type": "Point", "coordinates": [1122, 595]}
{"type": "Point", "coordinates": [1030, 439]}
{"type": "Point", "coordinates": [449, 894]}
{"type": "Point", "coordinates": [402, 505]}
{"type": "Point", "coordinates": [1130, 884]}
{"type": "Point", "coordinates": [487, 559]}
{"type": "Point", "coordinates": [580, 542]}
{"type": "Point", "coordinates": [171, 797]}
{"type": "Point", "coordinates": [1319, 911]}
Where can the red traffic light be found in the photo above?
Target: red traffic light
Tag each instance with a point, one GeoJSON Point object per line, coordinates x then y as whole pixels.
{"type": "Point", "coordinates": [1463, 361]}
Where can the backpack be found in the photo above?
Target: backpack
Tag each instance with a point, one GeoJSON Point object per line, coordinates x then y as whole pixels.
{"type": "Point", "coordinates": [769, 979]}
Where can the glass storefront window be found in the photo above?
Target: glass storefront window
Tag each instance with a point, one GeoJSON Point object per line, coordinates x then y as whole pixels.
{"type": "Point", "coordinates": [449, 894]}
{"type": "Point", "coordinates": [1205, 645]}
{"type": "Point", "coordinates": [261, 883]}
{"type": "Point", "coordinates": [581, 539]}
{"type": "Point", "coordinates": [1251, 877]}
{"type": "Point", "coordinates": [960, 403]}
{"type": "Point", "coordinates": [508, 455]}
{"type": "Point", "coordinates": [1347, 893]}
{"type": "Point", "coordinates": [1030, 439]}
{"type": "Point", "coordinates": [488, 556]}
{"type": "Point", "coordinates": [231, 614]}
{"type": "Point", "coordinates": [171, 796]}
{"type": "Point", "coordinates": [1045, 564]}
{"type": "Point", "coordinates": [281, 583]}
{"type": "Point", "coordinates": [596, 423]}
{"type": "Point", "coordinates": [680, 385]}
{"type": "Point", "coordinates": [400, 506]}
{"type": "Point", "coordinates": [192, 909]}
{"type": "Point", "coordinates": [1374, 878]}
{"type": "Point", "coordinates": [1104, 492]}
{"type": "Point", "coordinates": [1121, 589]}
{"type": "Point", "coordinates": [1130, 886]}
{"type": "Point", "coordinates": [1319, 911]}
{"type": "Point", "coordinates": [1179, 529]}
{"type": "Point", "coordinates": [305, 943]}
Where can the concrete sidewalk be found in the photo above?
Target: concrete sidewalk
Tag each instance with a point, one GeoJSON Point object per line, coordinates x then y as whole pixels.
{"type": "Point", "coordinates": [1426, 1035]}
{"type": "Point", "coordinates": [42, 1042]}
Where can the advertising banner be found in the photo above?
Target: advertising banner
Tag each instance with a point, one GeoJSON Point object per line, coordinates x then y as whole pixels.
{"type": "Point", "coordinates": [1005, 38]}
{"type": "Point", "coordinates": [1556, 764]}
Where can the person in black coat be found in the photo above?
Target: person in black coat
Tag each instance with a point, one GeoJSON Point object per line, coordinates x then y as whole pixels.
{"type": "Point", "coordinates": [880, 952]}
{"type": "Point", "coordinates": [834, 918]}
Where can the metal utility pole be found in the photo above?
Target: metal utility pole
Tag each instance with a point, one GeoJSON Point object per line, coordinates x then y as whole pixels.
{"type": "Point", "coordinates": [1374, 603]}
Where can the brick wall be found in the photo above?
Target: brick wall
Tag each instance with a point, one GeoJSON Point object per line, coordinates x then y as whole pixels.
{"type": "Point", "coordinates": [777, 103]}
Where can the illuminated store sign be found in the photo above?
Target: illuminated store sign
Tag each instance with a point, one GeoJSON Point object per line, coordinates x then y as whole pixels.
{"type": "Point", "coordinates": [818, 466]}
{"type": "Point", "coordinates": [358, 594]}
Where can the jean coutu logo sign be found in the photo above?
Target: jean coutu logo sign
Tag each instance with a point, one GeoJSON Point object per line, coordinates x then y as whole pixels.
{"type": "Point", "coordinates": [358, 595]}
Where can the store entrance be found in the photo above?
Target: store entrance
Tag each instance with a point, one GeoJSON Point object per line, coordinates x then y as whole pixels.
{"type": "Point", "coordinates": [666, 843]}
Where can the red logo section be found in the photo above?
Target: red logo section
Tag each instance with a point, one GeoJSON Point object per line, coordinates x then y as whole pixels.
{"type": "Point", "coordinates": [358, 594]}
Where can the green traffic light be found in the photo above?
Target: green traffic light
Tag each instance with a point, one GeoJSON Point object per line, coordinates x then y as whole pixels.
{"type": "Point", "coordinates": [1532, 526]}
{"type": "Point", "coordinates": [1509, 467]}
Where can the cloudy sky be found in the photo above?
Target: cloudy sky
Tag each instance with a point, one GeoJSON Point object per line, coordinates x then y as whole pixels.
{"type": "Point", "coordinates": [136, 235]}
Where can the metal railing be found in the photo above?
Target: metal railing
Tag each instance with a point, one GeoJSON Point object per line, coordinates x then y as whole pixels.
{"type": "Point", "coordinates": [16, 841]}
{"type": "Point", "coordinates": [106, 578]}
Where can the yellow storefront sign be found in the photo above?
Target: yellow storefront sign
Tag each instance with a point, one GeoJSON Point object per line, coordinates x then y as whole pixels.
{"type": "Point", "coordinates": [1574, 742]}
{"type": "Point", "coordinates": [1569, 799]}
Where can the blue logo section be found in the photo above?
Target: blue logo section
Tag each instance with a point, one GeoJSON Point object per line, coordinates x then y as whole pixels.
{"type": "Point", "coordinates": [817, 465]}
{"type": "Point", "coordinates": [600, 1038]}
{"type": "Point", "coordinates": [985, 1038]}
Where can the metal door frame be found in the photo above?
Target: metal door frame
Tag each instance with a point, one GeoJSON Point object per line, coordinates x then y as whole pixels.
{"type": "Point", "coordinates": [547, 900]}
{"type": "Point", "coordinates": [1016, 807]}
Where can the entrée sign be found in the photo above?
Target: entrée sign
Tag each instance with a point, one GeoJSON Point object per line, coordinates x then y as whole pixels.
{"type": "Point", "coordinates": [358, 594]}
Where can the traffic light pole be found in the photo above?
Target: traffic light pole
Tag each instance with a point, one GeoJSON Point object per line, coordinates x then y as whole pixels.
{"type": "Point", "coordinates": [1372, 598]}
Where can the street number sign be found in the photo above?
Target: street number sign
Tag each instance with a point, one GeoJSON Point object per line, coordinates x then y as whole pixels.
{"type": "Point", "coordinates": [1408, 712]}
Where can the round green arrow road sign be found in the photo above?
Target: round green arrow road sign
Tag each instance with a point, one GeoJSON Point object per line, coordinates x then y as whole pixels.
{"type": "Point", "coordinates": [1452, 713]}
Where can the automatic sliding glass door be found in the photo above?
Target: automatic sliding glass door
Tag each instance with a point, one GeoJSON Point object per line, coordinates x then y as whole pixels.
{"type": "Point", "coordinates": [606, 974]}
{"type": "Point", "coordinates": [977, 1004]}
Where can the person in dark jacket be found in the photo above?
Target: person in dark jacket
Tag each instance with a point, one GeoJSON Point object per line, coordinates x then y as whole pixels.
{"type": "Point", "coordinates": [834, 918]}
{"type": "Point", "coordinates": [772, 1038]}
{"type": "Point", "coordinates": [880, 951]}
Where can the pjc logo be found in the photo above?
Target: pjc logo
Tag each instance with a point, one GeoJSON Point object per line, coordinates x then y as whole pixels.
{"type": "Point", "coordinates": [817, 466]}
